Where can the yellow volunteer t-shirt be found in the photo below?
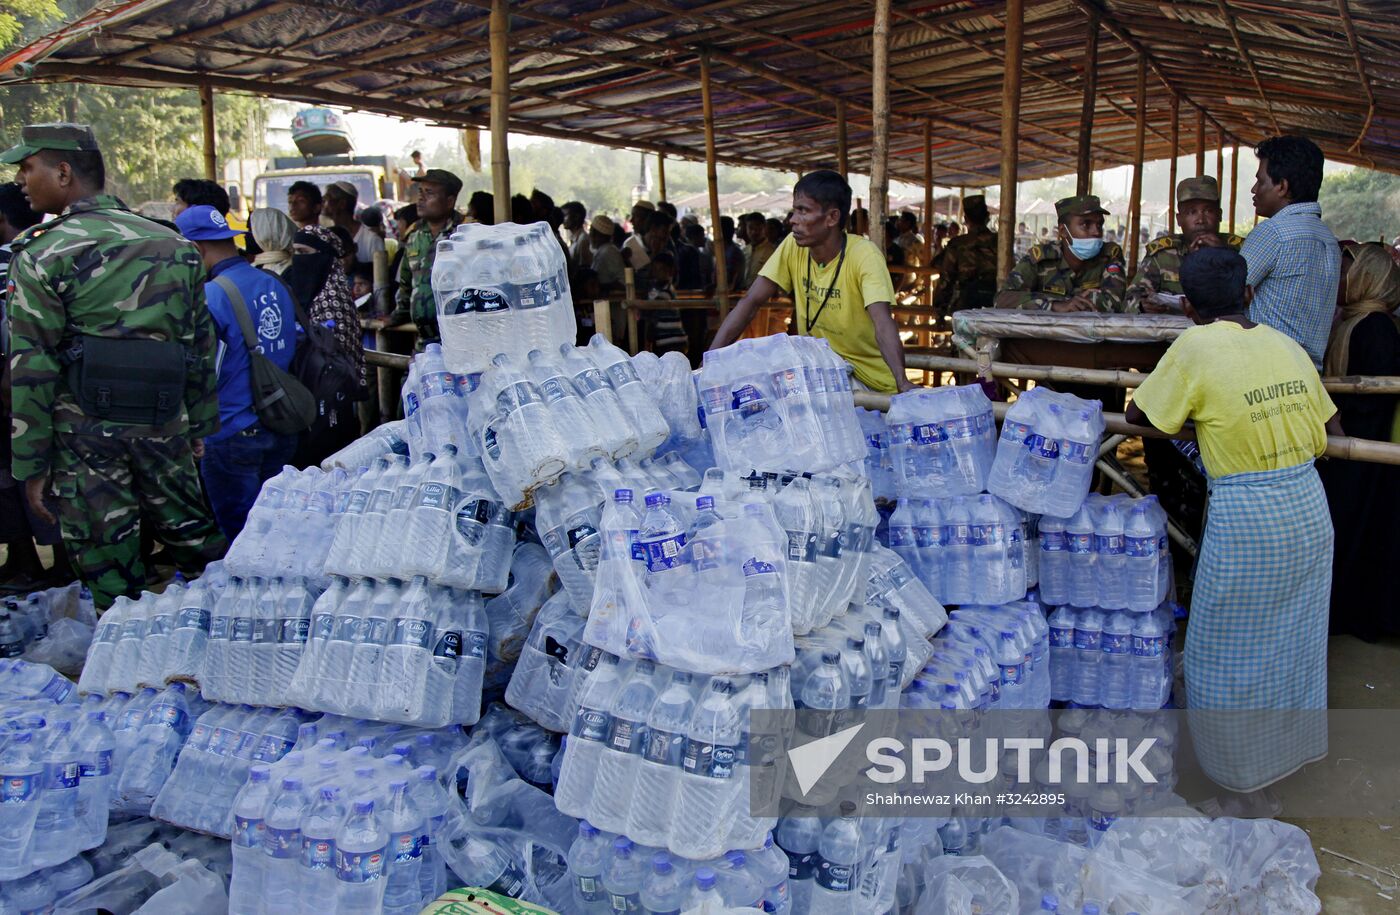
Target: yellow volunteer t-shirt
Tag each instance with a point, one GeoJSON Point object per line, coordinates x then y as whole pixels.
{"type": "Point", "coordinates": [843, 323]}
{"type": "Point", "coordinates": [1256, 399]}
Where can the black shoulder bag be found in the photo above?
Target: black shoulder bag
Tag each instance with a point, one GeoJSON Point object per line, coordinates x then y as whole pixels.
{"type": "Point", "coordinates": [283, 403]}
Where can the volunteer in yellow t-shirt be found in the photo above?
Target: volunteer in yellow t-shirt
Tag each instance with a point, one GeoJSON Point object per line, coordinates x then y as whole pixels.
{"type": "Point", "coordinates": [840, 284]}
{"type": "Point", "coordinates": [1256, 640]}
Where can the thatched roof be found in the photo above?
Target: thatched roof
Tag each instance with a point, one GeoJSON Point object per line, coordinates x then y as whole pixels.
{"type": "Point", "coordinates": [625, 72]}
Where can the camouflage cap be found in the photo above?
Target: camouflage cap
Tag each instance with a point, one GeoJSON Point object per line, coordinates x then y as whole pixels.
{"type": "Point", "coordinates": [1080, 205]}
{"type": "Point", "coordinates": [1202, 187]}
{"type": "Point", "coordinates": [441, 177]}
{"type": "Point", "coordinates": [975, 206]}
{"type": "Point", "coordinates": [36, 137]}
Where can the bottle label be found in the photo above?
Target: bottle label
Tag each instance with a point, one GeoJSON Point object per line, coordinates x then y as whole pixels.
{"type": "Point", "coordinates": [1045, 448]}
{"type": "Point", "coordinates": [435, 495]}
{"type": "Point", "coordinates": [590, 381]}
{"type": "Point", "coordinates": [1052, 541]}
{"type": "Point", "coordinates": [625, 904]}
{"type": "Point", "coordinates": [471, 518]}
{"type": "Point", "coordinates": [748, 401]}
{"type": "Point", "coordinates": [926, 537]}
{"type": "Point", "coordinates": [791, 382]}
{"type": "Point", "coordinates": [317, 854]}
{"type": "Point", "coordinates": [321, 626]}
{"type": "Point", "coordinates": [667, 553]}
{"type": "Point", "coordinates": [437, 384]}
{"type": "Point", "coordinates": [218, 627]}
{"type": "Point", "coordinates": [283, 844]}
{"type": "Point", "coordinates": [831, 546]}
{"type": "Point", "coordinates": [622, 373]}
{"type": "Point", "coordinates": [590, 889]}
{"type": "Point", "coordinates": [896, 671]}
{"type": "Point", "coordinates": [927, 434]}
{"type": "Point", "coordinates": [801, 865]}
{"type": "Point", "coordinates": [553, 389]}
{"type": "Point", "coordinates": [967, 426]}
{"type": "Point", "coordinates": [591, 657]}
{"type": "Point", "coordinates": [410, 404]}
{"type": "Point", "coordinates": [1116, 643]}
{"type": "Point", "coordinates": [247, 832]}
{"type": "Point", "coordinates": [403, 498]}
{"type": "Point", "coordinates": [474, 644]}
{"type": "Point", "coordinates": [1061, 637]}
{"type": "Point", "coordinates": [372, 630]}
{"type": "Point", "coordinates": [272, 748]}
{"type": "Point", "coordinates": [193, 618]}
{"type": "Point", "coordinates": [801, 546]}
{"type": "Point", "coordinates": [412, 632]}
{"type": "Point", "coordinates": [591, 724]}
{"type": "Point", "coordinates": [1012, 674]}
{"type": "Point", "coordinates": [17, 789]}
{"type": "Point", "coordinates": [714, 401]}
{"type": "Point", "coordinates": [626, 736]}
{"type": "Point", "coordinates": [355, 505]}
{"type": "Point", "coordinates": [222, 742]}
{"type": "Point", "coordinates": [449, 645]}
{"type": "Point", "coordinates": [241, 629]}
{"type": "Point", "coordinates": [707, 554]}
{"type": "Point", "coordinates": [713, 760]}
{"type": "Point", "coordinates": [266, 631]}
{"type": "Point", "coordinates": [1079, 452]}
{"type": "Point", "coordinates": [11, 649]}
{"type": "Point", "coordinates": [1151, 646]}
{"type": "Point", "coordinates": [666, 748]}
{"type": "Point", "coordinates": [511, 882]}
{"type": "Point", "coordinates": [167, 715]}
{"type": "Point", "coordinates": [901, 537]}
{"type": "Point", "coordinates": [404, 847]}
{"type": "Point", "coordinates": [1110, 545]}
{"type": "Point", "coordinates": [294, 631]}
{"type": "Point", "coordinates": [58, 776]}
{"type": "Point", "coordinates": [379, 502]}
{"type": "Point", "coordinates": [359, 867]}
{"type": "Point", "coordinates": [1014, 432]}
{"type": "Point", "coordinates": [835, 878]}
{"type": "Point", "coordinates": [1140, 547]}
{"type": "Point", "coordinates": [1088, 639]}
{"type": "Point", "coordinates": [1101, 821]}
{"type": "Point", "coordinates": [1080, 544]}
{"type": "Point", "coordinates": [158, 625]}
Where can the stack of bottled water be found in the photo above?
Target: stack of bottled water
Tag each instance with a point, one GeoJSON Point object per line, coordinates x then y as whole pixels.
{"type": "Point", "coordinates": [613, 873]}
{"type": "Point", "coordinates": [382, 439]}
{"type": "Point", "coordinates": [1113, 659]}
{"type": "Point", "coordinates": [1046, 454]}
{"type": "Point", "coordinates": [434, 408]}
{"type": "Point", "coordinates": [859, 662]}
{"type": "Point", "coordinates": [666, 757]}
{"type": "Point", "coordinates": [941, 440]}
{"type": "Point", "coordinates": [501, 289]}
{"type": "Point", "coordinates": [38, 891]}
{"type": "Point", "coordinates": [879, 460]}
{"type": "Point", "coordinates": [437, 516]}
{"type": "Point", "coordinates": [841, 864]}
{"type": "Point", "coordinates": [672, 384]}
{"type": "Point", "coordinates": [409, 653]}
{"type": "Point", "coordinates": [551, 660]}
{"type": "Point", "coordinates": [999, 655]}
{"type": "Point", "coordinates": [25, 620]}
{"type": "Point", "coordinates": [965, 549]}
{"type": "Point", "coordinates": [510, 614]}
{"type": "Point", "coordinates": [780, 402]}
{"type": "Point", "coordinates": [696, 583]}
{"type": "Point", "coordinates": [1112, 553]}
{"type": "Point", "coordinates": [561, 409]}
{"type": "Point", "coordinates": [291, 524]}
{"type": "Point", "coordinates": [892, 585]}
{"type": "Point", "coordinates": [349, 828]}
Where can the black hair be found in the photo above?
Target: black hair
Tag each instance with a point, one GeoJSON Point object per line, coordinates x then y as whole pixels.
{"type": "Point", "coordinates": [194, 192]}
{"type": "Point", "coordinates": [776, 230]}
{"type": "Point", "coordinates": [416, 154]}
{"type": "Point", "coordinates": [86, 164]}
{"type": "Point", "coordinates": [695, 230]}
{"type": "Point", "coordinates": [306, 189]}
{"type": "Point", "coordinates": [664, 257]}
{"type": "Point", "coordinates": [828, 189]}
{"type": "Point", "coordinates": [1296, 160]}
{"type": "Point", "coordinates": [362, 271]}
{"type": "Point", "coordinates": [555, 217]}
{"type": "Point", "coordinates": [573, 206]}
{"type": "Point", "coordinates": [482, 205]}
{"type": "Point", "coordinates": [372, 217]}
{"type": "Point", "coordinates": [15, 208]}
{"type": "Point", "coordinates": [911, 218]}
{"type": "Point", "coordinates": [726, 225]}
{"type": "Point", "coordinates": [668, 208]}
{"type": "Point", "coordinates": [521, 212]}
{"type": "Point", "coordinates": [1213, 280]}
{"type": "Point", "coordinates": [409, 214]}
{"type": "Point", "coordinates": [540, 197]}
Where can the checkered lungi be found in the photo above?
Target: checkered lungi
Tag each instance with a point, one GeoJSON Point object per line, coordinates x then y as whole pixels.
{"type": "Point", "coordinates": [1257, 636]}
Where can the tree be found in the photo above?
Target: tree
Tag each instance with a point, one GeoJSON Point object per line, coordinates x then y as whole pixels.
{"type": "Point", "coordinates": [1361, 204]}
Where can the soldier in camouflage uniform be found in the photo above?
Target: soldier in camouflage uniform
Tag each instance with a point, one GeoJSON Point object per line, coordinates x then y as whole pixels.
{"type": "Point", "coordinates": [967, 267]}
{"type": "Point", "coordinates": [100, 271]}
{"type": "Point", "coordinates": [1157, 287]}
{"type": "Point", "coordinates": [437, 216]}
{"type": "Point", "coordinates": [1079, 272]}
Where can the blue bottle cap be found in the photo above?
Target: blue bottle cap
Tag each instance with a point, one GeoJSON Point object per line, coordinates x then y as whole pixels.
{"type": "Point", "coordinates": [622, 495]}
{"type": "Point", "coordinates": [705, 878]}
{"type": "Point", "coordinates": [705, 503]}
{"type": "Point", "coordinates": [658, 498]}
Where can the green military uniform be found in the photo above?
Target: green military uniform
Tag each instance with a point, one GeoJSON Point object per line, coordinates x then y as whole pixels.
{"type": "Point", "coordinates": [1160, 270]}
{"type": "Point", "coordinates": [414, 300]}
{"type": "Point", "coordinates": [99, 270]}
{"type": "Point", "coordinates": [1043, 277]}
{"type": "Point", "coordinates": [967, 266]}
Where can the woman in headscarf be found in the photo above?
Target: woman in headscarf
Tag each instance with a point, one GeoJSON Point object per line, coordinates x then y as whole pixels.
{"type": "Point", "coordinates": [1364, 498]}
{"type": "Point", "coordinates": [273, 231]}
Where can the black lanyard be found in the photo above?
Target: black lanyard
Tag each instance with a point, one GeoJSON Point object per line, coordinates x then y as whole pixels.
{"type": "Point", "coordinates": [812, 320]}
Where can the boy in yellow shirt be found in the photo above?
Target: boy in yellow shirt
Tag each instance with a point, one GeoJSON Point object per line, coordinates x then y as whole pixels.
{"type": "Point", "coordinates": [1257, 638]}
{"type": "Point", "coordinates": [839, 282]}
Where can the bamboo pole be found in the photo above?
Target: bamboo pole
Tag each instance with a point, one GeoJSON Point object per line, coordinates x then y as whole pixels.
{"type": "Point", "coordinates": [1234, 182]}
{"type": "Point", "coordinates": [1220, 161]}
{"type": "Point", "coordinates": [880, 142]}
{"type": "Point", "coordinates": [843, 162]}
{"type": "Point", "coordinates": [602, 319]}
{"type": "Point", "coordinates": [206, 119]}
{"type": "Point", "coordinates": [661, 176]}
{"type": "Point", "coordinates": [1176, 153]}
{"type": "Point", "coordinates": [1084, 178]}
{"type": "Point", "coordinates": [1010, 116]}
{"type": "Point", "coordinates": [1135, 198]}
{"type": "Point", "coordinates": [500, 107]}
{"type": "Point", "coordinates": [712, 182]}
{"type": "Point", "coordinates": [1200, 142]}
{"type": "Point", "coordinates": [928, 192]}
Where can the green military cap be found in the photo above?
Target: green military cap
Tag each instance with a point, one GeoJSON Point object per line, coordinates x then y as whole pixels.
{"type": "Point", "coordinates": [441, 177]}
{"type": "Point", "coordinates": [1079, 205]}
{"type": "Point", "coordinates": [974, 205]}
{"type": "Point", "coordinates": [36, 137]}
{"type": "Point", "coordinates": [1202, 187]}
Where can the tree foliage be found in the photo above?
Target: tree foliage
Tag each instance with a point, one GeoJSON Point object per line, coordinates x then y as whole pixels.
{"type": "Point", "coordinates": [1361, 204]}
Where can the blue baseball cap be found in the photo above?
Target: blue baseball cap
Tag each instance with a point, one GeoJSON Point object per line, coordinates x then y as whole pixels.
{"type": "Point", "coordinates": [204, 223]}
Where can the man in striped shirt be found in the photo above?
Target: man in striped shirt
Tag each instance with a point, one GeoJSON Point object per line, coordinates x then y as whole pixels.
{"type": "Point", "coordinates": [1294, 260]}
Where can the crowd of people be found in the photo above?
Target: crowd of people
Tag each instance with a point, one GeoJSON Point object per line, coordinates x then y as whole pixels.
{"type": "Point", "coordinates": [105, 461]}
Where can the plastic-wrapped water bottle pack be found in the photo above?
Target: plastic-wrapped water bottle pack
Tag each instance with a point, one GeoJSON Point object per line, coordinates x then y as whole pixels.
{"type": "Point", "coordinates": [941, 440]}
{"type": "Point", "coordinates": [965, 549]}
{"type": "Point", "coordinates": [1046, 453]}
{"type": "Point", "coordinates": [1112, 659]}
{"type": "Point", "coordinates": [843, 863]}
{"type": "Point", "coordinates": [501, 289]}
{"type": "Point", "coordinates": [879, 460]}
{"type": "Point", "coordinates": [779, 402]}
{"type": "Point", "coordinates": [1112, 553]}
{"type": "Point", "coordinates": [665, 757]}
{"type": "Point", "coordinates": [551, 660]}
{"type": "Point", "coordinates": [53, 627]}
{"type": "Point", "coordinates": [291, 524]}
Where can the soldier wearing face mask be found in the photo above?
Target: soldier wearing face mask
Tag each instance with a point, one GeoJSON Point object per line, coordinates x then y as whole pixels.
{"type": "Point", "coordinates": [1078, 271]}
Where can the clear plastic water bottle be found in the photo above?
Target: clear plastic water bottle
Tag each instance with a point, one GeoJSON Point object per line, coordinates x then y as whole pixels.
{"type": "Point", "coordinates": [664, 887]}
{"type": "Point", "coordinates": [859, 678]}
{"type": "Point", "coordinates": [403, 890]}
{"type": "Point", "coordinates": [838, 856]}
{"type": "Point", "coordinates": [361, 849]}
{"type": "Point", "coordinates": [704, 893]}
{"type": "Point", "coordinates": [578, 427]}
{"type": "Point", "coordinates": [431, 798]}
{"type": "Point", "coordinates": [959, 586]}
{"type": "Point", "coordinates": [1115, 674]}
{"type": "Point", "coordinates": [315, 878]}
{"type": "Point", "coordinates": [587, 858]}
{"type": "Point", "coordinates": [22, 775]}
{"type": "Point", "coordinates": [1062, 654]}
{"type": "Point", "coordinates": [96, 747]}
{"type": "Point", "coordinates": [662, 538]}
{"type": "Point", "coordinates": [896, 650]}
{"type": "Point", "coordinates": [245, 895]}
{"type": "Point", "coordinates": [770, 865]}
{"type": "Point", "coordinates": [1088, 655]}
{"type": "Point", "coordinates": [57, 832]}
{"type": "Point", "coordinates": [1054, 561]}
{"type": "Point", "coordinates": [281, 845]}
{"type": "Point", "coordinates": [622, 750]}
{"type": "Point", "coordinates": [621, 437]}
{"type": "Point", "coordinates": [1109, 556]}
{"type": "Point", "coordinates": [799, 836]}
{"type": "Point", "coordinates": [659, 768]}
{"type": "Point", "coordinates": [739, 884]}
{"type": "Point", "coordinates": [929, 545]}
{"type": "Point", "coordinates": [1140, 560]}
{"type": "Point", "coordinates": [1151, 682]}
{"type": "Point", "coordinates": [878, 662]}
{"type": "Point", "coordinates": [587, 739]}
{"type": "Point", "coordinates": [826, 690]}
{"type": "Point", "coordinates": [714, 782]}
{"type": "Point", "coordinates": [1083, 569]}
{"type": "Point", "coordinates": [491, 866]}
{"type": "Point", "coordinates": [622, 376]}
{"type": "Point", "coordinates": [622, 877]}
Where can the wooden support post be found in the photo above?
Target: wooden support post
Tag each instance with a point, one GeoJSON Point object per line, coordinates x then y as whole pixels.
{"type": "Point", "coordinates": [602, 318]}
{"type": "Point", "coordinates": [661, 176]}
{"type": "Point", "coordinates": [880, 121]}
{"type": "Point", "coordinates": [500, 107]}
{"type": "Point", "coordinates": [1135, 198]}
{"type": "Point", "coordinates": [843, 162]}
{"type": "Point", "coordinates": [712, 181]}
{"type": "Point", "coordinates": [1176, 154]}
{"type": "Point", "coordinates": [206, 117]}
{"type": "Point", "coordinates": [1200, 142]}
{"type": "Point", "coordinates": [1010, 118]}
{"type": "Point", "coordinates": [1234, 182]}
{"type": "Point", "coordinates": [1085, 174]}
{"type": "Point", "coordinates": [928, 193]}
{"type": "Point", "coordinates": [1220, 161]}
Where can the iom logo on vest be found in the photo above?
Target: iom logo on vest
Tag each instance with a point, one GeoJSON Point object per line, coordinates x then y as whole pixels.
{"type": "Point", "coordinates": [1258, 397]}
